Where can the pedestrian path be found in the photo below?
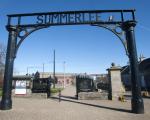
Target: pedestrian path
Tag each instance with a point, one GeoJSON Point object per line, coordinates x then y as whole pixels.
{"type": "Point", "coordinates": [69, 91]}
{"type": "Point", "coordinates": [72, 109]}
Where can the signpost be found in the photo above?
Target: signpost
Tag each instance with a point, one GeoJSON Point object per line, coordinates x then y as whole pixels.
{"type": "Point", "coordinates": [71, 18]}
{"type": "Point", "coordinates": [20, 88]}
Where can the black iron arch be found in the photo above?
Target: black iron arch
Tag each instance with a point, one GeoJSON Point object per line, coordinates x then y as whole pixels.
{"type": "Point", "coordinates": [44, 20]}
{"type": "Point", "coordinates": [100, 18]}
{"type": "Point", "coordinates": [120, 34]}
{"type": "Point", "coordinates": [28, 31]}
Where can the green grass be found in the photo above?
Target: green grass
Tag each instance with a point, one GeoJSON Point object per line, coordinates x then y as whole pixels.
{"type": "Point", "coordinates": [0, 91]}
{"type": "Point", "coordinates": [55, 90]}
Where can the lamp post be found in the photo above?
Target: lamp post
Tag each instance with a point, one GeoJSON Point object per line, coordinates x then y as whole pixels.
{"type": "Point", "coordinates": [64, 83]}
{"type": "Point", "coordinates": [54, 70]}
{"type": "Point", "coordinates": [43, 70]}
{"type": "Point", "coordinates": [27, 70]}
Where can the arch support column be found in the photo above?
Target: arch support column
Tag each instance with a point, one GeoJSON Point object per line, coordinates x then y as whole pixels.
{"type": "Point", "coordinates": [6, 102]}
{"type": "Point", "coordinates": [137, 101]}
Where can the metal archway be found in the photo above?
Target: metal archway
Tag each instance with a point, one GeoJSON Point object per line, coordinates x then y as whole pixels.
{"type": "Point", "coordinates": [120, 34]}
{"type": "Point", "coordinates": [92, 17]}
{"type": "Point", "coordinates": [28, 31]}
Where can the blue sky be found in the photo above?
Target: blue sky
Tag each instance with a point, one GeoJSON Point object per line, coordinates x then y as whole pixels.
{"type": "Point", "coordinates": [84, 48]}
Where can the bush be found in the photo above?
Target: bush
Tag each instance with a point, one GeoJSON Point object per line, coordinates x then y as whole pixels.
{"type": "Point", "coordinates": [0, 91]}
{"type": "Point", "coordinates": [55, 90]}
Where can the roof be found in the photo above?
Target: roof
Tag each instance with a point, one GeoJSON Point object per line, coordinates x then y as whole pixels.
{"type": "Point", "coordinates": [143, 65]}
{"type": "Point", "coordinates": [22, 77]}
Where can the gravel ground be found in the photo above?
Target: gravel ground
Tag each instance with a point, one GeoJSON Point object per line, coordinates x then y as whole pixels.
{"type": "Point", "coordinates": [72, 109]}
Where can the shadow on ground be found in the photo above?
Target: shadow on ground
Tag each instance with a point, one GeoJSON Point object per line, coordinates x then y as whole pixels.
{"type": "Point", "coordinates": [128, 97]}
{"type": "Point", "coordinates": [71, 99]}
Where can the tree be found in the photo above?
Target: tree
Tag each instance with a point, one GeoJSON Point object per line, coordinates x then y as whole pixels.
{"type": "Point", "coordinates": [2, 53]}
{"type": "Point", "coordinates": [2, 62]}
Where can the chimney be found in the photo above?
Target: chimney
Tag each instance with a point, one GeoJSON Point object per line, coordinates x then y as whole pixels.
{"type": "Point", "coordinates": [141, 58]}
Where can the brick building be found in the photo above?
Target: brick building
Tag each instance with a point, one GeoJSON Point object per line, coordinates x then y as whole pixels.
{"type": "Point", "coordinates": [63, 79]}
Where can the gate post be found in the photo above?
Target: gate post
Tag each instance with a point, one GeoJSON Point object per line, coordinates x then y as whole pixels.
{"type": "Point", "coordinates": [6, 102]}
{"type": "Point", "coordinates": [137, 101]}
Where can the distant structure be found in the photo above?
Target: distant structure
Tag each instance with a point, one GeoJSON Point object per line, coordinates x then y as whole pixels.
{"type": "Point", "coordinates": [69, 78]}
{"type": "Point", "coordinates": [101, 81]}
{"type": "Point", "coordinates": [141, 58]}
{"type": "Point", "coordinates": [144, 69]}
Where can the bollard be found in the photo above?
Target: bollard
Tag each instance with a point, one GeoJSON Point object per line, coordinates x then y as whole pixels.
{"type": "Point", "coordinates": [59, 95]}
{"type": "Point", "coordinates": [48, 89]}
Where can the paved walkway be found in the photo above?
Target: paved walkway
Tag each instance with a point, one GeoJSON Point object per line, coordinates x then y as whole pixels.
{"type": "Point", "coordinates": [71, 109]}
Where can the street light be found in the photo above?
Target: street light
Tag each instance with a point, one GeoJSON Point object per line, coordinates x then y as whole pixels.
{"type": "Point", "coordinates": [64, 83]}
{"type": "Point", "coordinates": [43, 71]}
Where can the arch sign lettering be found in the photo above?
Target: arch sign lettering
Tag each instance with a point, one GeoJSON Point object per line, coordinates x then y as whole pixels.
{"type": "Point", "coordinates": [22, 25]}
